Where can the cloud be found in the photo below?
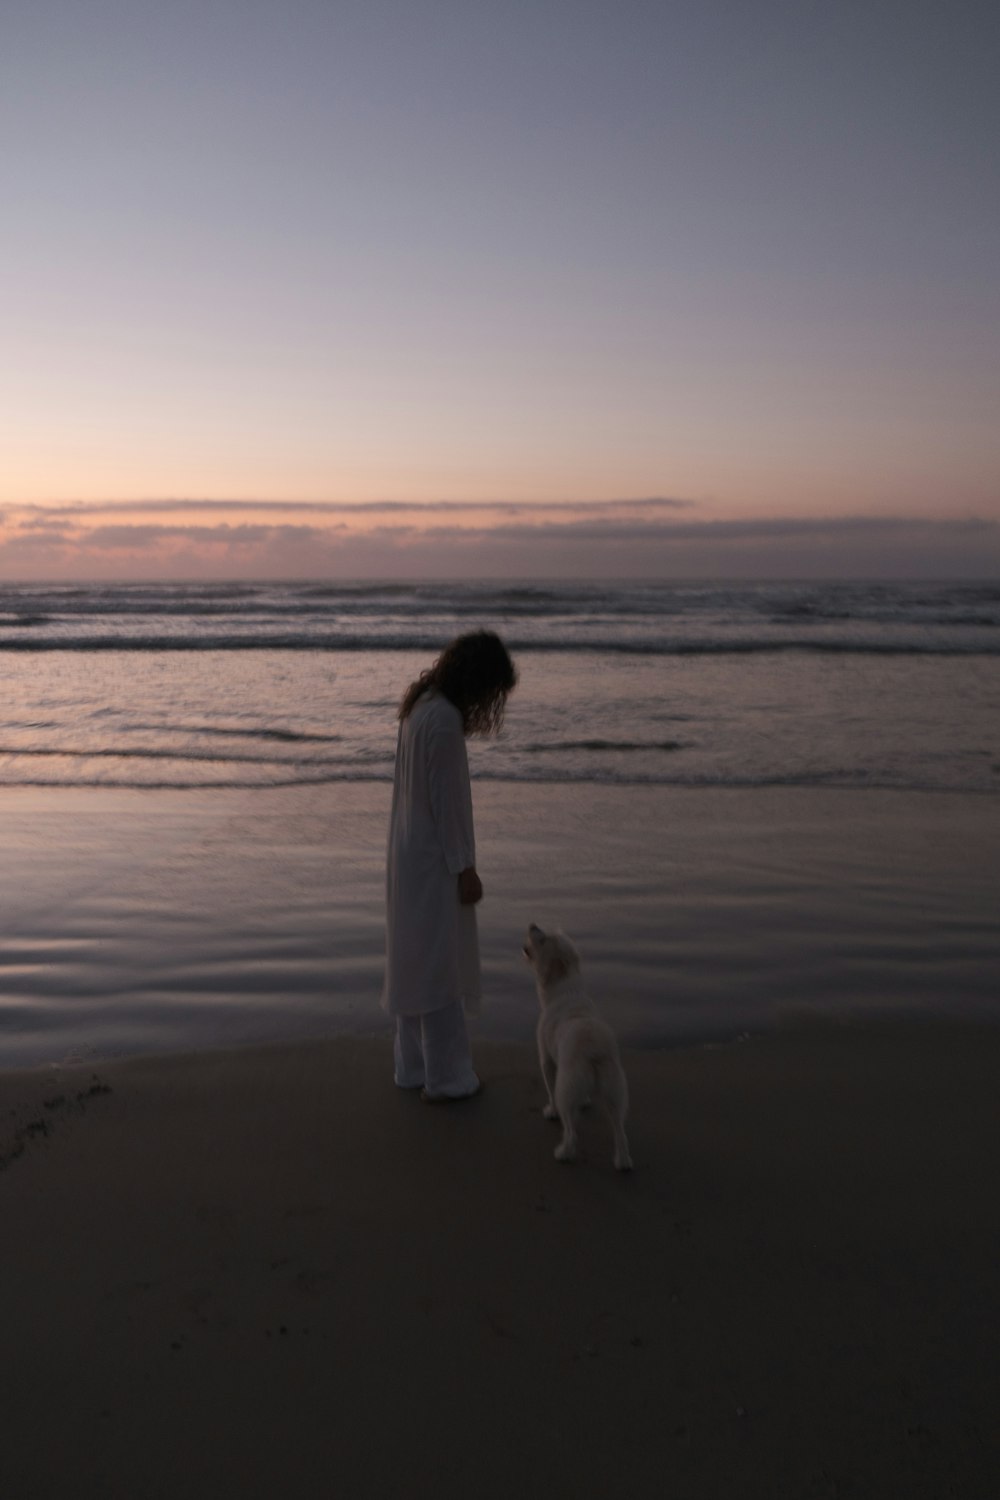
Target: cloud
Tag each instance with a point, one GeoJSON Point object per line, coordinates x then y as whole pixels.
{"type": "Point", "coordinates": [131, 536]}
{"type": "Point", "coordinates": [82, 509]}
{"type": "Point", "coordinates": [641, 538]}
{"type": "Point", "coordinates": [36, 539]}
{"type": "Point", "coordinates": [628, 533]}
{"type": "Point", "coordinates": [762, 530]}
{"type": "Point", "coordinates": [770, 547]}
{"type": "Point", "coordinates": [48, 528]}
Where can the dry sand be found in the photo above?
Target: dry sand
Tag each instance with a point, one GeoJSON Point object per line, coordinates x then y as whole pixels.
{"type": "Point", "coordinates": [269, 1273]}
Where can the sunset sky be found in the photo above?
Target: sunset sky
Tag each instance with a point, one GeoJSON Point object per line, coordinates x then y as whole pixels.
{"type": "Point", "coordinates": [540, 287]}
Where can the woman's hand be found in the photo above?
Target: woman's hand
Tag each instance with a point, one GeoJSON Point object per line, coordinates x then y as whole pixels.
{"type": "Point", "coordinates": [470, 887]}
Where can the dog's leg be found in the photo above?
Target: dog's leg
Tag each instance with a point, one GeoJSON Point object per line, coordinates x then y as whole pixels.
{"type": "Point", "coordinates": [566, 1149]}
{"type": "Point", "coordinates": [623, 1159]}
{"type": "Point", "coordinates": [566, 1105]}
{"type": "Point", "coordinates": [615, 1101]}
{"type": "Point", "coordinates": [548, 1068]}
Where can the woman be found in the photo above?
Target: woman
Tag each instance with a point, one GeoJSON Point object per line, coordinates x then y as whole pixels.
{"type": "Point", "coordinates": [432, 946]}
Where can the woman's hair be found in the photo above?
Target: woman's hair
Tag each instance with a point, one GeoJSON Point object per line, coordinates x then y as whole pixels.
{"type": "Point", "coordinates": [476, 674]}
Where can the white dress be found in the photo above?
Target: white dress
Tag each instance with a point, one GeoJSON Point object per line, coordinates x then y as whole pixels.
{"type": "Point", "coordinates": [432, 942]}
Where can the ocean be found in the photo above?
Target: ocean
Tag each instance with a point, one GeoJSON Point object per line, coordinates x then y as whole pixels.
{"type": "Point", "coordinates": [850, 685]}
{"type": "Point", "coordinates": [744, 802]}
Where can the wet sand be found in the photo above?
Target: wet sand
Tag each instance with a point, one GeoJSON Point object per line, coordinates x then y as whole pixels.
{"type": "Point", "coordinates": [268, 1272]}
{"type": "Point", "coordinates": [146, 921]}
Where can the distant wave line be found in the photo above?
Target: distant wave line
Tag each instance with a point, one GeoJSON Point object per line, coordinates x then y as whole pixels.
{"type": "Point", "coordinates": [695, 783]}
{"type": "Point", "coordinates": [615, 646]}
{"type": "Point", "coordinates": [112, 753]}
{"type": "Point", "coordinates": [115, 783]}
{"type": "Point", "coordinates": [557, 746]}
{"type": "Point", "coordinates": [550, 747]}
{"type": "Point", "coordinates": [291, 736]}
{"type": "Point", "coordinates": [318, 608]}
{"type": "Point", "coordinates": [505, 607]}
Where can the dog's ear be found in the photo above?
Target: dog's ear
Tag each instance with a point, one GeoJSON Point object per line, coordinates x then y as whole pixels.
{"type": "Point", "coordinates": [535, 933]}
{"type": "Point", "coordinates": [565, 959]}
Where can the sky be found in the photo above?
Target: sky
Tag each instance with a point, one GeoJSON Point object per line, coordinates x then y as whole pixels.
{"type": "Point", "coordinates": [534, 288]}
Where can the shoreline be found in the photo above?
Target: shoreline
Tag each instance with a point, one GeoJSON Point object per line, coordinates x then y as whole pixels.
{"type": "Point", "coordinates": [270, 1269]}
{"type": "Point", "coordinates": [40, 792]}
{"type": "Point", "coordinates": [155, 922]}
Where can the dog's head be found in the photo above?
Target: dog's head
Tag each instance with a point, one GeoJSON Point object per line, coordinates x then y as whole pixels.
{"type": "Point", "coordinates": [550, 954]}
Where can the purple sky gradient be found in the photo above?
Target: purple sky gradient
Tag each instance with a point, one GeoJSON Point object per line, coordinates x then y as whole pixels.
{"type": "Point", "coordinates": [544, 253]}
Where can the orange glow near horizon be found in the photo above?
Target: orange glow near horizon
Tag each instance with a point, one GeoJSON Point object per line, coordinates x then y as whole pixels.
{"type": "Point", "coordinates": [173, 539]}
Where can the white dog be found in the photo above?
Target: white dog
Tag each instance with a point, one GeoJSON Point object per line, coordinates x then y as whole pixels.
{"type": "Point", "coordinates": [577, 1050]}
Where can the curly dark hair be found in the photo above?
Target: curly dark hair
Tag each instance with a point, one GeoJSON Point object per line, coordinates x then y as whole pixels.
{"type": "Point", "coordinates": [476, 674]}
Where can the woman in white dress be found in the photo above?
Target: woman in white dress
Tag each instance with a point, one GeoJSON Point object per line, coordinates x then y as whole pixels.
{"type": "Point", "coordinates": [432, 971]}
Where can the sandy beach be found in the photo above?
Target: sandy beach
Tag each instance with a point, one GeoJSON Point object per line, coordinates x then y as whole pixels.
{"type": "Point", "coordinates": [268, 1271]}
{"type": "Point", "coordinates": [237, 1261]}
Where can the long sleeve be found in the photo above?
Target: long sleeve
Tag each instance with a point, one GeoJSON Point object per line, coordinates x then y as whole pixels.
{"type": "Point", "coordinates": [451, 795]}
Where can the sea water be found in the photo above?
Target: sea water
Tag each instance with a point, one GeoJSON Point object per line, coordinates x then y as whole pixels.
{"type": "Point", "coordinates": [741, 801]}
{"type": "Point", "coordinates": [851, 685]}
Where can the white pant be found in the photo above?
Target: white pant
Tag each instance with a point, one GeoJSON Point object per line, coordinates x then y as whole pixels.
{"type": "Point", "coordinates": [433, 1050]}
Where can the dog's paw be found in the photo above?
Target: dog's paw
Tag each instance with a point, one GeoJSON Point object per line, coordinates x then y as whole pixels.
{"type": "Point", "coordinates": [564, 1152]}
{"type": "Point", "coordinates": [623, 1163]}
{"type": "Point", "coordinates": [550, 1112]}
